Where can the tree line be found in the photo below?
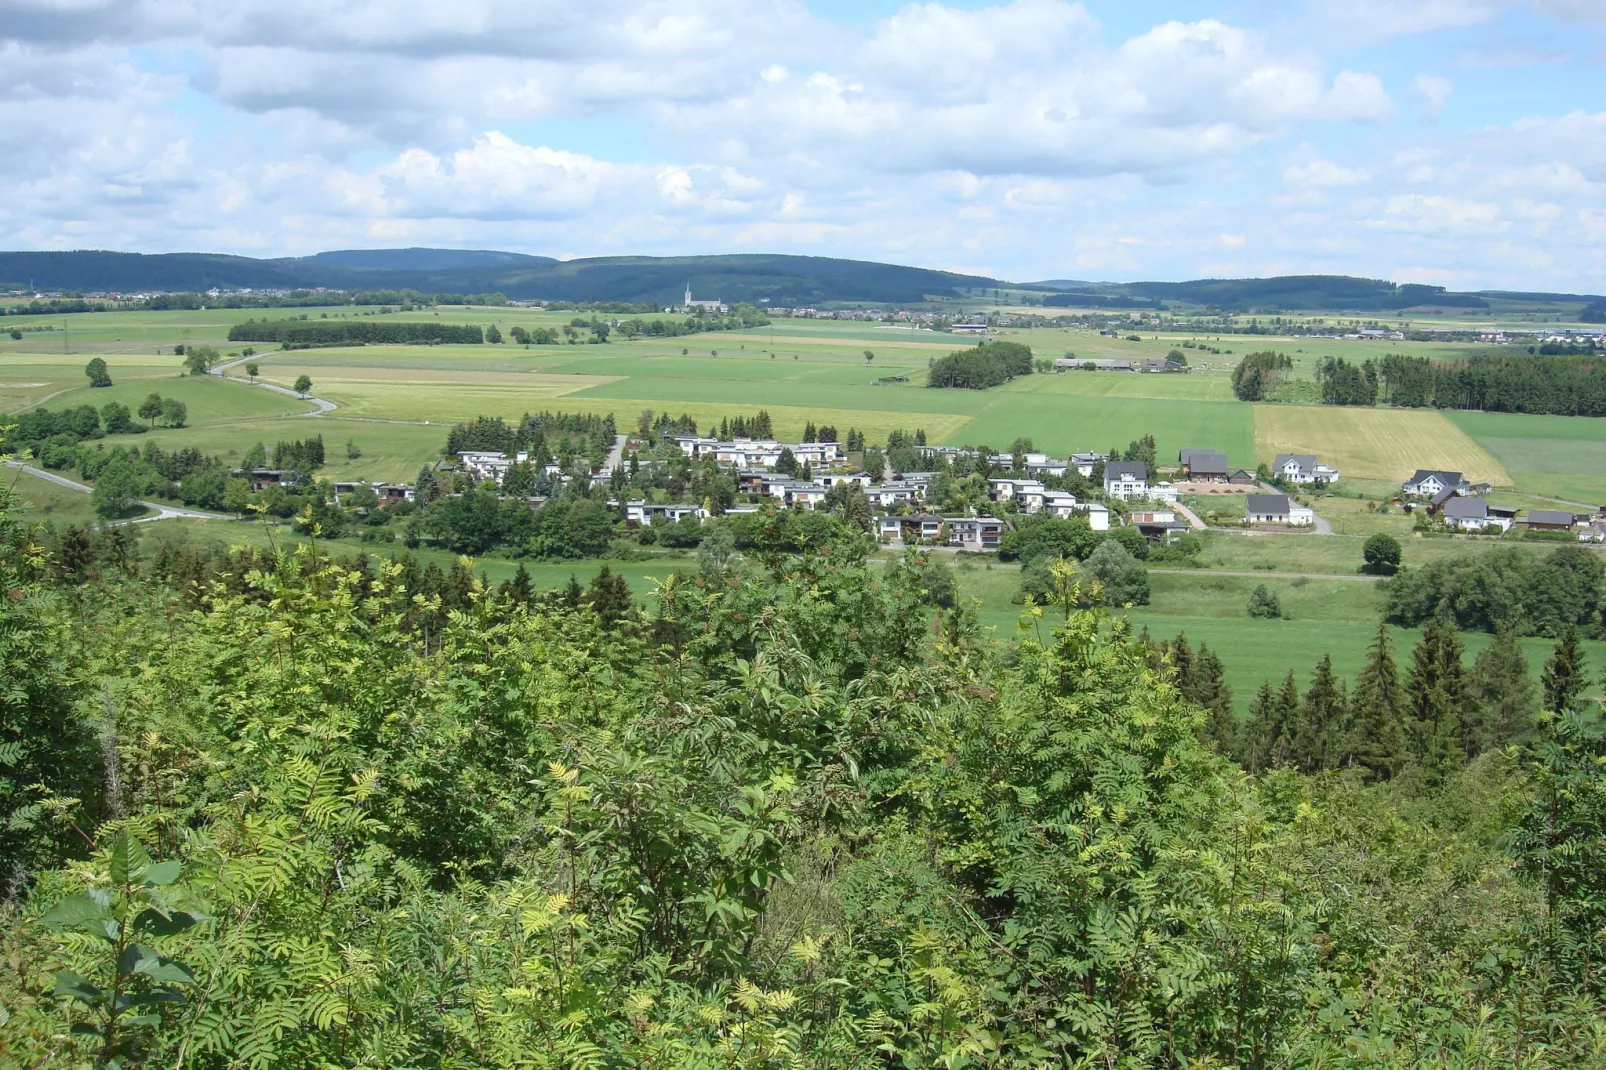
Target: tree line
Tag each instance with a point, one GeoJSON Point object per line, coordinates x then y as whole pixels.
{"type": "Point", "coordinates": [306, 333]}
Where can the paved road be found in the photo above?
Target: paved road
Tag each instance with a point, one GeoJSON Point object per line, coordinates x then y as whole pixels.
{"type": "Point", "coordinates": [616, 455]}
{"type": "Point", "coordinates": [1191, 517]}
{"type": "Point", "coordinates": [163, 512]}
{"type": "Point", "coordinates": [324, 404]}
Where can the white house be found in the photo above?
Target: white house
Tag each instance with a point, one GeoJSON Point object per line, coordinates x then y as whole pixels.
{"type": "Point", "coordinates": [1060, 505]}
{"type": "Point", "coordinates": [1430, 484]}
{"type": "Point", "coordinates": [1302, 469]}
{"type": "Point", "coordinates": [974, 532]}
{"type": "Point", "coordinates": [640, 514]}
{"type": "Point", "coordinates": [1472, 514]}
{"type": "Point", "coordinates": [1277, 509]}
{"type": "Point", "coordinates": [829, 480]}
{"type": "Point", "coordinates": [1126, 480]}
{"type": "Point", "coordinates": [1098, 516]}
{"type": "Point", "coordinates": [490, 464]}
{"type": "Point", "coordinates": [1010, 488]}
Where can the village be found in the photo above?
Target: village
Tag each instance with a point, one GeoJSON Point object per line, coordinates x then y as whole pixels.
{"type": "Point", "coordinates": [811, 475]}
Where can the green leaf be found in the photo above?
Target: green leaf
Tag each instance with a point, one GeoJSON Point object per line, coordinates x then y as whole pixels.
{"type": "Point", "coordinates": [74, 910]}
{"type": "Point", "coordinates": [159, 873]}
{"type": "Point", "coordinates": [134, 956]}
{"type": "Point", "coordinates": [159, 923]}
{"type": "Point", "coordinates": [105, 928]}
{"type": "Point", "coordinates": [159, 969]}
{"type": "Point", "coordinates": [84, 1029]}
{"type": "Point", "coordinates": [71, 984]}
{"type": "Point", "coordinates": [129, 861]}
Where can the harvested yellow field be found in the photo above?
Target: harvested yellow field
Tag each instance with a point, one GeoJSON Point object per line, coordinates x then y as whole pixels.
{"type": "Point", "coordinates": [1384, 444]}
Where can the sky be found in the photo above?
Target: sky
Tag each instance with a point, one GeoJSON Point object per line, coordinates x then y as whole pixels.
{"type": "Point", "coordinates": [1456, 142]}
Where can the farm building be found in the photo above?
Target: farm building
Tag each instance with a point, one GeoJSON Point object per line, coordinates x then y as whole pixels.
{"type": "Point", "coordinates": [1549, 520]}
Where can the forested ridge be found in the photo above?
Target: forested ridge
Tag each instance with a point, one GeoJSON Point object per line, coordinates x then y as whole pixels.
{"type": "Point", "coordinates": [277, 809]}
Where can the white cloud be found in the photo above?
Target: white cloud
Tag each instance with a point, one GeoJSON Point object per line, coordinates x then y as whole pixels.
{"type": "Point", "coordinates": [1435, 91]}
{"type": "Point", "coordinates": [1320, 173]}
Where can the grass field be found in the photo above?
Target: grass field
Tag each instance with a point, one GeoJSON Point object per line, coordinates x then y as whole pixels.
{"type": "Point", "coordinates": [1560, 456]}
{"type": "Point", "coordinates": [1383, 444]}
{"type": "Point", "coordinates": [47, 501]}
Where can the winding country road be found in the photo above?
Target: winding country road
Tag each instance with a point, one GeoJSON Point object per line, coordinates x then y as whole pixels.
{"type": "Point", "coordinates": [163, 512]}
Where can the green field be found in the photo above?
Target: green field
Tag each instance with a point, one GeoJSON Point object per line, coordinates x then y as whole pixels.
{"type": "Point", "coordinates": [395, 403]}
{"type": "Point", "coordinates": [1559, 456]}
{"type": "Point", "coordinates": [50, 502]}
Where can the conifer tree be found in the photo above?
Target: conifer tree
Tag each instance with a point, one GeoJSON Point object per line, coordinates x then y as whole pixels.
{"type": "Point", "coordinates": [1280, 751]}
{"type": "Point", "coordinates": [1377, 706]}
{"type": "Point", "coordinates": [1563, 678]}
{"type": "Point", "coordinates": [1207, 687]}
{"type": "Point", "coordinates": [1505, 702]}
{"type": "Point", "coordinates": [1181, 662]}
{"type": "Point", "coordinates": [1321, 721]}
{"type": "Point", "coordinates": [1259, 729]}
{"type": "Point", "coordinates": [1438, 692]}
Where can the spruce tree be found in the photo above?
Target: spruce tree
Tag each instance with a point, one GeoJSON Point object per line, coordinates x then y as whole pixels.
{"type": "Point", "coordinates": [1181, 663]}
{"type": "Point", "coordinates": [1563, 678]}
{"type": "Point", "coordinates": [1378, 703]}
{"type": "Point", "coordinates": [1505, 702]}
{"type": "Point", "coordinates": [1208, 687]}
{"type": "Point", "coordinates": [1437, 690]}
{"type": "Point", "coordinates": [1281, 749]}
{"type": "Point", "coordinates": [1321, 721]}
{"type": "Point", "coordinates": [1259, 729]}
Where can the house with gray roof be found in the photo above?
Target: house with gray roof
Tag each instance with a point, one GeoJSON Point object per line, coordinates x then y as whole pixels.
{"type": "Point", "coordinates": [1204, 466]}
{"type": "Point", "coordinates": [1126, 480]}
{"type": "Point", "coordinates": [1472, 514]}
{"type": "Point", "coordinates": [1302, 468]}
{"type": "Point", "coordinates": [1430, 484]}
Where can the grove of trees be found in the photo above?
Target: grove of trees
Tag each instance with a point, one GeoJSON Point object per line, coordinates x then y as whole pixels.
{"type": "Point", "coordinates": [988, 364]}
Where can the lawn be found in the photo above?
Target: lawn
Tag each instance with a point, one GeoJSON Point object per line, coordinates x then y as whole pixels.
{"type": "Point", "coordinates": [1367, 443]}
{"type": "Point", "coordinates": [1558, 456]}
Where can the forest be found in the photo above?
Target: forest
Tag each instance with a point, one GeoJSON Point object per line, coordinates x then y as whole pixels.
{"type": "Point", "coordinates": [272, 808]}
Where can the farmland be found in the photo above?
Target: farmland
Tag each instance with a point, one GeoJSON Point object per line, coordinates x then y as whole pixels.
{"type": "Point", "coordinates": [393, 403]}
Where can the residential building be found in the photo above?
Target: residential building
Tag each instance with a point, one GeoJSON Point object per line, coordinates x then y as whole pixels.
{"type": "Point", "coordinates": [829, 480]}
{"type": "Point", "coordinates": [1098, 515]}
{"type": "Point", "coordinates": [1203, 466]}
{"type": "Point", "coordinates": [1012, 487]}
{"type": "Point", "coordinates": [1086, 462]}
{"type": "Point", "coordinates": [974, 532]}
{"type": "Point", "coordinates": [922, 527]}
{"type": "Point", "coordinates": [1126, 480]}
{"type": "Point", "coordinates": [1277, 509]}
{"type": "Point", "coordinates": [1428, 483]}
{"type": "Point", "coordinates": [640, 514]}
{"type": "Point", "coordinates": [1060, 505]}
{"type": "Point", "coordinates": [1302, 468]}
{"type": "Point", "coordinates": [1472, 514]}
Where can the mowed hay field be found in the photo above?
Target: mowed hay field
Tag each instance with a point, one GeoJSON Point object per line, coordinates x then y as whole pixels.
{"type": "Point", "coordinates": [1383, 444]}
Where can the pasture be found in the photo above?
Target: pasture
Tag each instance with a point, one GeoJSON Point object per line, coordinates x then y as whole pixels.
{"type": "Point", "coordinates": [1560, 456]}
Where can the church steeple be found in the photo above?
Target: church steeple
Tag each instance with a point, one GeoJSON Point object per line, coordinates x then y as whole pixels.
{"type": "Point", "coordinates": [688, 294]}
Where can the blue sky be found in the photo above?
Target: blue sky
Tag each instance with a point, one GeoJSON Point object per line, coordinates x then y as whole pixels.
{"type": "Point", "coordinates": [1460, 142]}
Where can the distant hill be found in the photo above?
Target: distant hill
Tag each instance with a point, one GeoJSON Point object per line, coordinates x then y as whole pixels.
{"type": "Point", "coordinates": [760, 278]}
{"type": "Point", "coordinates": [417, 259]}
{"type": "Point", "coordinates": [775, 279]}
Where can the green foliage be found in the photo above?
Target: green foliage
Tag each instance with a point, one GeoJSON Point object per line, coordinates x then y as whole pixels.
{"type": "Point", "coordinates": [1503, 587]}
{"type": "Point", "coordinates": [198, 360]}
{"type": "Point", "coordinates": [1381, 555]}
{"type": "Point", "coordinates": [303, 385]}
{"type": "Point", "coordinates": [1258, 374]}
{"type": "Point", "coordinates": [301, 334]}
{"type": "Point", "coordinates": [987, 365]}
{"type": "Point", "coordinates": [1264, 603]}
{"type": "Point", "coordinates": [98, 375]}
